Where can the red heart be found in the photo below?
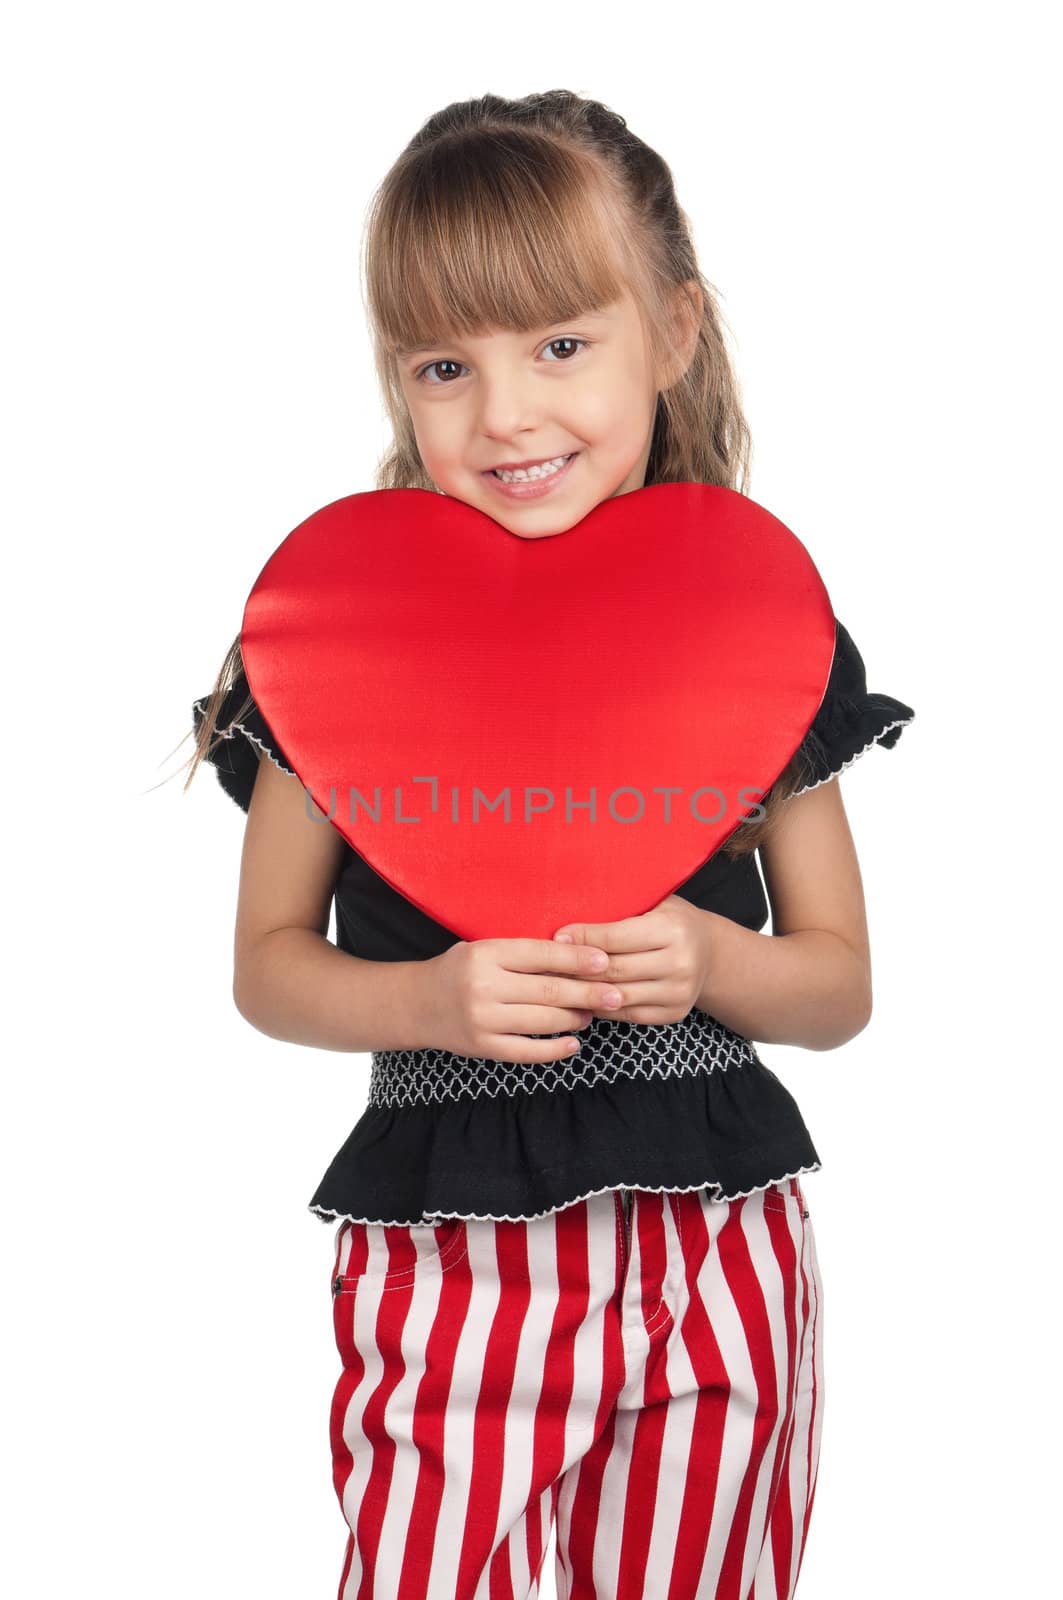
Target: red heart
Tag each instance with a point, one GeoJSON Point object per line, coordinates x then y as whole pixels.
{"type": "Point", "coordinates": [404, 645]}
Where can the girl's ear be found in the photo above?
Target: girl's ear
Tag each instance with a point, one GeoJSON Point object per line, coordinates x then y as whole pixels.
{"type": "Point", "coordinates": [687, 308]}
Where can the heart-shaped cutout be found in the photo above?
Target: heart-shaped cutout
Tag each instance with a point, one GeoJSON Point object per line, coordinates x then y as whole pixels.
{"type": "Point", "coordinates": [519, 733]}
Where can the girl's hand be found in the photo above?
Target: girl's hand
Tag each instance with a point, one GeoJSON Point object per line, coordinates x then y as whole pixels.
{"type": "Point", "coordinates": [659, 961]}
{"type": "Point", "coordinates": [482, 997]}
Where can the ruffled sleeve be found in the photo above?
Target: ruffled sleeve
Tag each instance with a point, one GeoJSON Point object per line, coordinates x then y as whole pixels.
{"type": "Point", "coordinates": [236, 744]}
{"type": "Point", "coordinates": [850, 720]}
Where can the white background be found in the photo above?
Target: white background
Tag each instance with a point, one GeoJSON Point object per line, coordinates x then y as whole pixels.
{"type": "Point", "coordinates": [188, 377]}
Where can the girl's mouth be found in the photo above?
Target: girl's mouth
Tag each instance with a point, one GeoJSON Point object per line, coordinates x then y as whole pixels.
{"type": "Point", "coordinates": [532, 488]}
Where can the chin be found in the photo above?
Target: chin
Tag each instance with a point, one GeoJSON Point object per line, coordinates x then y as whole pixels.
{"type": "Point", "coordinates": [529, 534]}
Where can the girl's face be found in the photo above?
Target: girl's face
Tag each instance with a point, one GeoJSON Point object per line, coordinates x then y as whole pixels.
{"type": "Point", "coordinates": [584, 388]}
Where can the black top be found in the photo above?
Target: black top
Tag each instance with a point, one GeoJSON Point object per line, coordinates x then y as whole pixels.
{"type": "Point", "coordinates": [683, 1105]}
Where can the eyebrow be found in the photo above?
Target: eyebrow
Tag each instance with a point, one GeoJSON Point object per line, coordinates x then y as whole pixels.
{"type": "Point", "coordinates": [414, 349]}
{"type": "Point", "coordinates": [584, 316]}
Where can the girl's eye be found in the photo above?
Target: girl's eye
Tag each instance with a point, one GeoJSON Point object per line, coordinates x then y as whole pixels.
{"type": "Point", "coordinates": [446, 362]}
{"type": "Point", "coordinates": [431, 365]}
{"type": "Point", "coordinates": [564, 340]}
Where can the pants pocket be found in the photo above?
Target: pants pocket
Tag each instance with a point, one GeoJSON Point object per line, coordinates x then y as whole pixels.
{"type": "Point", "coordinates": [391, 1255]}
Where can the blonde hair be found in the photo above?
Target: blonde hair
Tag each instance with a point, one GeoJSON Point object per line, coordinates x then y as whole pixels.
{"type": "Point", "coordinates": [520, 214]}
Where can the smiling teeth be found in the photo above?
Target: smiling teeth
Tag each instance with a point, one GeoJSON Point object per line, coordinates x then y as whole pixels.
{"type": "Point", "coordinates": [524, 474]}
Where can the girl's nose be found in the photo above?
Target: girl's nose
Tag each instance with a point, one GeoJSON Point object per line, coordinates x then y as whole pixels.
{"type": "Point", "coordinates": [508, 410]}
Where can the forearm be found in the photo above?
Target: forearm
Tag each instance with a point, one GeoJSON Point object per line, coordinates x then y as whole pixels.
{"type": "Point", "coordinates": [294, 984]}
{"type": "Point", "coordinates": [807, 988]}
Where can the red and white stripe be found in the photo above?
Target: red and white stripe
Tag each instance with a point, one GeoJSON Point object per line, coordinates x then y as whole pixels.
{"type": "Point", "coordinates": [660, 1398]}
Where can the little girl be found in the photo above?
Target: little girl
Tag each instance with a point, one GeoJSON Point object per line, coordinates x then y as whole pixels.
{"type": "Point", "coordinates": [574, 1278]}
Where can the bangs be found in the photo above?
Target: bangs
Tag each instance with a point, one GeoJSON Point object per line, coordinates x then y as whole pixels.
{"type": "Point", "coordinates": [499, 229]}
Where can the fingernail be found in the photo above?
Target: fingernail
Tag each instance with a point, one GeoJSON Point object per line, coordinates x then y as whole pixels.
{"type": "Point", "coordinates": [564, 938]}
{"type": "Point", "coordinates": [599, 960]}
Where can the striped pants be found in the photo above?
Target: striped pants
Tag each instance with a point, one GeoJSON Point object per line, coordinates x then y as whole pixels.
{"type": "Point", "coordinates": [644, 1369]}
